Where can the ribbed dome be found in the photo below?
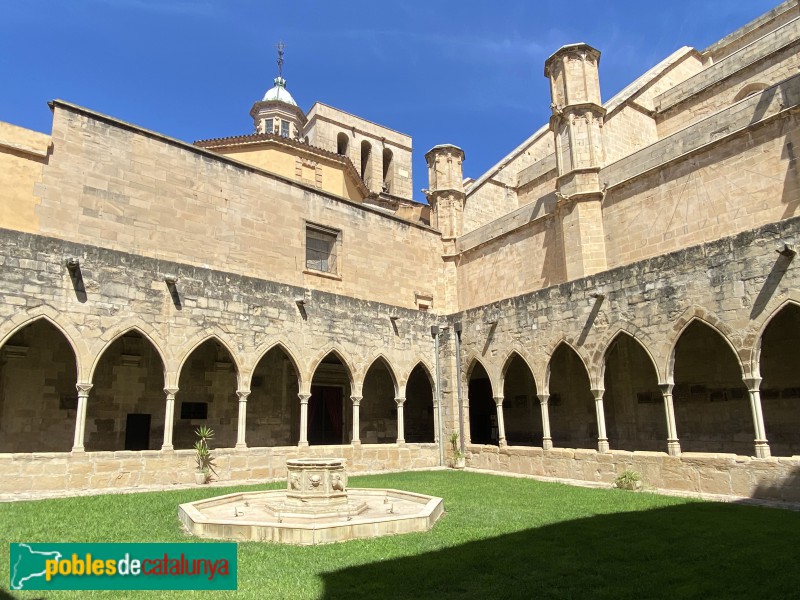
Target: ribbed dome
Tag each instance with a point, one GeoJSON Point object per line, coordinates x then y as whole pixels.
{"type": "Point", "coordinates": [279, 92]}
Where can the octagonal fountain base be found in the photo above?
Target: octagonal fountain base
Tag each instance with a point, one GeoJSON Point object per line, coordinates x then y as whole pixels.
{"type": "Point", "coordinates": [316, 508]}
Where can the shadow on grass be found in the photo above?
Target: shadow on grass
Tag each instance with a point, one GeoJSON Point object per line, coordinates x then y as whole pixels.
{"type": "Point", "coordinates": [696, 550]}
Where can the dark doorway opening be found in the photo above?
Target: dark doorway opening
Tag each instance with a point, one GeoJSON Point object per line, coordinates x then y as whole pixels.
{"type": "Point", "coordinates": [137, 431]}
{"type": "Point", "coordinates": [482, 409]}
{"type": "Point", "coordinates": [325, 415]}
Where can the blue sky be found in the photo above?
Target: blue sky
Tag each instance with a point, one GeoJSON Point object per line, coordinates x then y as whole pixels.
{"type": "Point", "coordinates": [463, 72]}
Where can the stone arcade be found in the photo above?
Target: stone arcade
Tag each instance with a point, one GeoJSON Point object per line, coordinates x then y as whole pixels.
{"type": "Point", "coordinates": [624, 285]}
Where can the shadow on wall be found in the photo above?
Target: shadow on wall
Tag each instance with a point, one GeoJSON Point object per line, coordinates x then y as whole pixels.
{"type": "Point", "coordinates": [788, 489]}
{"type": "Point", "coordinates": [693, 550]}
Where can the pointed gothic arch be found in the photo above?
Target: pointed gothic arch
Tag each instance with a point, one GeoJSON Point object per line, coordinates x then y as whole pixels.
{"type": "Point", "coordinates": [779, 368]}
{"type": "Point", "coordinates": [419, 406]}
{"type": "Point", "coordinates": [330, 407]}
{"type": "Point", "coordinates": [125, 410]}
{"type": "Point", "coordinates": [634, 406]}
{"type": "Point", "coordinates": [573, 420]}
{"type": "Point", "coordinates": [38, 394]}
{"type": "Point", "coordinates": [521, 408]}
{"type": "Point", "coordinates": [378, 411]}
{"type": "Point", "coordinates": [712, 410]}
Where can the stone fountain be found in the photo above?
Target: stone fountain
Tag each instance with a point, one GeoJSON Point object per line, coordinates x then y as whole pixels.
{"type": "Point", "coordinates": [316, 507]}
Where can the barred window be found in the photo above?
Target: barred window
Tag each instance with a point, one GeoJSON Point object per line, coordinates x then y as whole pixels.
{"type": "Point", "coordinates": [268, 126]}
{"type": "Point", "coordinates": [321, 249]}
{"type": "Point", "coordinates": [284, 128]}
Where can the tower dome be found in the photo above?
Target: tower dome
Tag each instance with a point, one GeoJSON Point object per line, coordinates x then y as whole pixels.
{"type": "Point", "coordinates": [279, 92]}
{"type": "Point", "coordinates": [277, 112]}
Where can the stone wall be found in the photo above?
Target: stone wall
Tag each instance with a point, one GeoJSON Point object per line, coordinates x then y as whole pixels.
{"type": "Point", "coordinates": [696, 473]}
{"type": "Point", "coordinates": [168, 200]}
{"type": "Point", "coordinates": [207, 340]}
{"type": "Point", "coordinates": [732, 287]}
{"type": "Point", "coordinates": [110, 470]}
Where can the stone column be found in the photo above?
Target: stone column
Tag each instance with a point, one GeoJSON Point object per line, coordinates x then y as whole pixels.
{"type": "Point", "coordinates": [467, 434]}
{"type": "Point", "coordinates": [753, 388]}
{"type": "Point", "coordinates": [435, 422]}
{"type": "Point", "coordinates": [169, 419]}
{"type": "Point", "coordinates": [401, 425]}
{"type": "Point", "coordinates": [303, 419]}
{"type": "Point", "coordinates": [356, 419]}
{"type": "Point", "coordinates": [242, 425]}
{"type": "Point", "coordinates": [547, 440]}
{"type": "Point", "coordinates": [80, 418]}
{"type": "Point", "coordinates": [602, 438]}
{"type": "Point", "coordinates": [673, 445]}
{"type": "Point", "coordinates": [501, 423]}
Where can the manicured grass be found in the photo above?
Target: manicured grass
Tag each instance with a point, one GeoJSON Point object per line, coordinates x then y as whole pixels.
{"type": "Point", "coordinates": [500, 538]}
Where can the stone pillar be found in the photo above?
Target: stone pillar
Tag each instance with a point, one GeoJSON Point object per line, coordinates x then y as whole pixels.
{"type": "Point", "coordinates": [501, 423]}
{"type": "Point", "coordinates": [401, 425]}
{"type": "Point", "coordinates": [356, 419]}
{"type": "Point", "coordinates": [577, 126]}
{"type": "Point", "coordinates": [241, 429]}
{"type": "Point", "coordinates": [303, 419]}
{"type": "Point", "coordinates": [753, 388]}
{"type": "Point", "coordinates": [435, 422]}
{"type": "Point", "coordinates": [467, 434]}
{"type": "Point", "coordinates": [547, 440]}
{"type": "Point", "coordinates": [80, 418]}
{"type": "Point", "coordinates": [169, 419]}
{"type": "Point", "coordinates": [602, 438]}
{"type": "Point", "coordinates": [673, 445]}
{"type": "Point", "coordinates": [446, 189]}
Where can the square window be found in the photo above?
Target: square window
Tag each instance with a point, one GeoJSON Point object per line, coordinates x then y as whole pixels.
{"type": "Point", "coordinates": [285, 128]}
{"type": "Point", "coordinates": [268, 126]}
{"type": "Point", "coordinates": [322, 249]}
{"type": "Point", "coordinates": [194, 410]}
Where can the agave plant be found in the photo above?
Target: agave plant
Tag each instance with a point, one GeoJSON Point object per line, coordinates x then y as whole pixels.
{"type": "Point", "coordinates": [202, 453]}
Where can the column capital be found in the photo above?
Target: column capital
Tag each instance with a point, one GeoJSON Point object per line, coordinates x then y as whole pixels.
{"type": "Point", "coordinates": [243, 394]}
{"type": "Point", "coordinates": [666, 388]}
{"type": "Point", "coordinates": [753, 383]}
{"type": "Point", "coordinates": [170, 392]}
{"type": "Point", "coordinates": [498, 400]}
{"type": "Point", "coordinates": [83, 388]}
{"type": "Point", "coordinates": [356, 400]}
{"type": "Point", "coordinates": [543, 398]}
{"type": "Point", "coordinates": [400, 400]}
{"type": "Point", "coordinates": [598, 393]}
{"type": "Point", "coordinates": [304, 398]}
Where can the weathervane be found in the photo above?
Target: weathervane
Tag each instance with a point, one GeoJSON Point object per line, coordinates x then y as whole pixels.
{"type": "Point", "coordinates": [280, 46]}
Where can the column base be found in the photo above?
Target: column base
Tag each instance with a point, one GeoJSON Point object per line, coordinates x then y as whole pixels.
{"type": "Point", "coordinates": [547, 444]}
{"type": "Point", "coordinates": [355, 443]}
{"type": "Point", "coordinates": [602, 446]}
{"type": "Point", "coordinates": [78, 449]}
{"type": "Point", "coordinates": [503, 443]}
{"type": "Point", "coordinates": [241, 446]}
{"type": "Point", "coordinates": [762, 450]}
{"type": "Point", "coordinates": [673, 447]}
{"type": "Point", "coordinates": [168, 448]}
{"type": "Point", "coordinates": [302, 444]}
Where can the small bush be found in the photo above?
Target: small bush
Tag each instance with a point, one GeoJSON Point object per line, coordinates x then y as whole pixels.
{"type": "Point", "coordinates": [629, 480]}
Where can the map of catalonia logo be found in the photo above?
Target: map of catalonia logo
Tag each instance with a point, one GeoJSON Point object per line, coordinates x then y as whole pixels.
{"type": "Point", "coordinates": [187, 566]}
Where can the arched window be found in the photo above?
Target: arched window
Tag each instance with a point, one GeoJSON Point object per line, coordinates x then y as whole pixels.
{"type": "Point", "coordinates": [366, 161]}
{"type": "Point", "coordinates": [388, 171]}
{"type": "Point", "coordinates": [342, 142]}
{"type": "Point", "coordinates": [749, 90]}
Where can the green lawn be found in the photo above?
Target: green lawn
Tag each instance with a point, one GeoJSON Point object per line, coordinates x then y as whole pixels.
{"type": "Point", "coordinates": [500, 538]}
